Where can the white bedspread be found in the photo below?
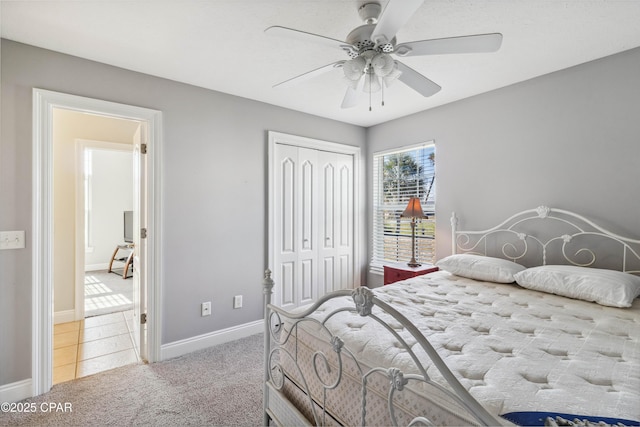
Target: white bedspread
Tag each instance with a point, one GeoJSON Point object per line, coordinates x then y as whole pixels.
{"type": "Point", "coordinates": [513, 349]}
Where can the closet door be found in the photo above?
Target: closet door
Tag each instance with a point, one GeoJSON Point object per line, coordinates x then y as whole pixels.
{"type": "Point", "coordinates": [313, 224]}
{"type": "Point", "coordinates": [335, 222]}
{"type": "Point", "coordinates": [307, 227]}
{"type": "Point", "coordinates": [296, 228]}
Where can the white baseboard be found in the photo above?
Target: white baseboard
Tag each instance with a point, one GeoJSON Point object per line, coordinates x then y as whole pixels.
{"type": "Point", "coordinates": [17, 391]}
{"type": "Point", "coordinates": [96, 267]}
{"type": "Point", "coordinates": [178, 348]}
{"type": "Point", "coordinates": [64, 316]}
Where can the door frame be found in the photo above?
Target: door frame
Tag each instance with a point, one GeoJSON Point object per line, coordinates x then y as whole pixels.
{"type": "Point", "coordinates": [358, 191]}
{"type": "Point", "coordinates": [44, 101]}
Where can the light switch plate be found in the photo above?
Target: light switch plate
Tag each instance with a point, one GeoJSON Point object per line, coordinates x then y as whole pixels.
{"type": "Point", "coordinates": [11, 239]}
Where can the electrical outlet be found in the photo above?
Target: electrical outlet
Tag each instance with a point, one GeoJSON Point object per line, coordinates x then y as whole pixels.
{"type": "Point", "coordinates": [237, 301]}
{"type": "Point", "coordinates": [205, 309]}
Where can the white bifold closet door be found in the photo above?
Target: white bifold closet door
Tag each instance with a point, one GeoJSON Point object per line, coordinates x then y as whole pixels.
{"type": "Point", "coordinates": [313, 230]}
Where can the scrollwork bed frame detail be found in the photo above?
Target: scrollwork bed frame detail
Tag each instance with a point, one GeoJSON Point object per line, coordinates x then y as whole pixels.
{"type": "Point", "coordinates": [365, 304]}
{"type": "Point", "coordinates": [575, 225]}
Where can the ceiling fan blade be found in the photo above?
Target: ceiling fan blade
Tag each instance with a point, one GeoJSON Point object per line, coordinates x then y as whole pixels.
{"type": "Point", "coordinates": [309, 37]}
{"type": "Point", "coordinates": [353, 95]}
{"type": "Point", "coordinates": [351, 98]}
{"type": "Point", "coordinates": [394, 16]}
{"type": "Point", "coordinates": [465, 44]}
{"type": "Point", "coordinates": [417, 81]}
{"type": "Point", "coordinates": [309, 75]}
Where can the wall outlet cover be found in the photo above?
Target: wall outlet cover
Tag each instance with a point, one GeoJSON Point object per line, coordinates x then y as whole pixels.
{"type": "Point", "coordinates": [237, 301]}
{"type": "Point", "coordinates": [205, 309]}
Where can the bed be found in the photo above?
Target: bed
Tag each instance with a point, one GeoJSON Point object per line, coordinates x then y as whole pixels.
{"type": "Point", "coordinates": [532, 322]}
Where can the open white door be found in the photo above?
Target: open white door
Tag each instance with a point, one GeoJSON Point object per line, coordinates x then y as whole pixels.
{"type": "Point", "coordinates": [140, 242]}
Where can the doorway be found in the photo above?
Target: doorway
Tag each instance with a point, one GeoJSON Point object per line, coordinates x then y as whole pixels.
{"type": "Point", "coordinates": [99, 336]}
{"type": "Point", "coordinates": [147, 158]}
{"type": "Point", "coordinates": [103, 222]}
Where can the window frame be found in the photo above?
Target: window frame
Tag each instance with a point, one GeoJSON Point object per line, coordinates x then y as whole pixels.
{"type": "Point", "coordinates": [378, 258]}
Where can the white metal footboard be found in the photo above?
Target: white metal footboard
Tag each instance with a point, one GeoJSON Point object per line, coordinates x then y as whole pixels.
{"type": "Point", "coordinates": [327, 368]}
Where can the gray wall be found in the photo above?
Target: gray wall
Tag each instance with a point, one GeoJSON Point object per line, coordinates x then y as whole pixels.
{"type": "Point", "coordinates": [568, 140]}
{"type": "Point", "coordinates": [215, 158]}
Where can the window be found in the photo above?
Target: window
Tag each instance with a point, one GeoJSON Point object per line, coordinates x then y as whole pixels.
{"type": "Point", "coordinates": [397, 176]}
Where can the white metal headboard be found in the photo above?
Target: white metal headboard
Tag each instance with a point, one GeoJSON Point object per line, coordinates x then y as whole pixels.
{"type": "Point", "coordinates": [534, 233]}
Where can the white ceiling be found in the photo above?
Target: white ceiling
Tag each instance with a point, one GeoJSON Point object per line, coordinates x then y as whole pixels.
{"type": "Point", "coordinates": [221, 44]}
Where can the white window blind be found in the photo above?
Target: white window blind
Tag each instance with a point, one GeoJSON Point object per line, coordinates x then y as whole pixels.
{"type": "Point", "coordinates": [398, 176]}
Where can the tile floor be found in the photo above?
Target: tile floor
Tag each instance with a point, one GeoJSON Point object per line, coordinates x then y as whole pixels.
{"type": "Point", "coordinates": [92, 345]}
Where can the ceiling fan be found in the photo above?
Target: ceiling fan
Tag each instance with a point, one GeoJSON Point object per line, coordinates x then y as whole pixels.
{"type": "Point", "coordinates": [370, 66]}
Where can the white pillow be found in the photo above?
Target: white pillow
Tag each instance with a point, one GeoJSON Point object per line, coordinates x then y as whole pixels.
{"type": "Point", "coordinates": [606, 287]}
{"type": "Point", "coordinates": [480, 267]}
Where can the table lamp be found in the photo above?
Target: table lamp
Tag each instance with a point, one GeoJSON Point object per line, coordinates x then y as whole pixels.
{"type": "Point", "coordinates": [413, 211]}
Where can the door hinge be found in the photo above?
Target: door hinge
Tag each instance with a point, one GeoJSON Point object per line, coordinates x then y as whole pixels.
{"type": "Point", "coordinates": [143, 148]}
{"type": "Point", "coordinates": [143, 318]}
{"type": "Point", "coordinates": [143, 233]}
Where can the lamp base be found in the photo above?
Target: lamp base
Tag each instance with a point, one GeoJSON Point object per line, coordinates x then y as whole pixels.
{"type": "Point", "coordinates": [414, 264]}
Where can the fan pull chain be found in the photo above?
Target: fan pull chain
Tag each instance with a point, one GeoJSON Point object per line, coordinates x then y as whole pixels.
{"type": "Point", "coordinates": [382, 87]}
{"type": "Point", "coordinates": [369, 92]}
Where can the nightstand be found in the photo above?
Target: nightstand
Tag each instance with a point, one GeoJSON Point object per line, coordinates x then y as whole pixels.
{"type": "Point", "coordinates": [396, 271]}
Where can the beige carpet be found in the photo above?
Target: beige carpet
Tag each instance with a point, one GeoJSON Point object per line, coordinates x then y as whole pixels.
{"type": "Point", "coordinates": [218, 386]}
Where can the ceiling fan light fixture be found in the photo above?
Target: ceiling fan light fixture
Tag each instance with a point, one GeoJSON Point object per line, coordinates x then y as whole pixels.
{"type": "Point", "coordinates": [382, 64]}
{"type": "Point", "coordinates": [354, 68]}
{"type": "Point", "coordinates": [393, 75]}
{"type": "Point", "coordinates": [353, 84]}
{"type": "Point", "coordinates": [371, 83]}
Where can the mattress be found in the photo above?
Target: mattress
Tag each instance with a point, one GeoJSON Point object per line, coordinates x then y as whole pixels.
{"type": "Point", "coordinates": [514, 350]}
{"type": "Point", "coordinates": [344, 402]}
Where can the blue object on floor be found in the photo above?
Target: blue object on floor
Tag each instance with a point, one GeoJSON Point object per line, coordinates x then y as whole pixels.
{"type": "Point", "coordinates": [538, 418]}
